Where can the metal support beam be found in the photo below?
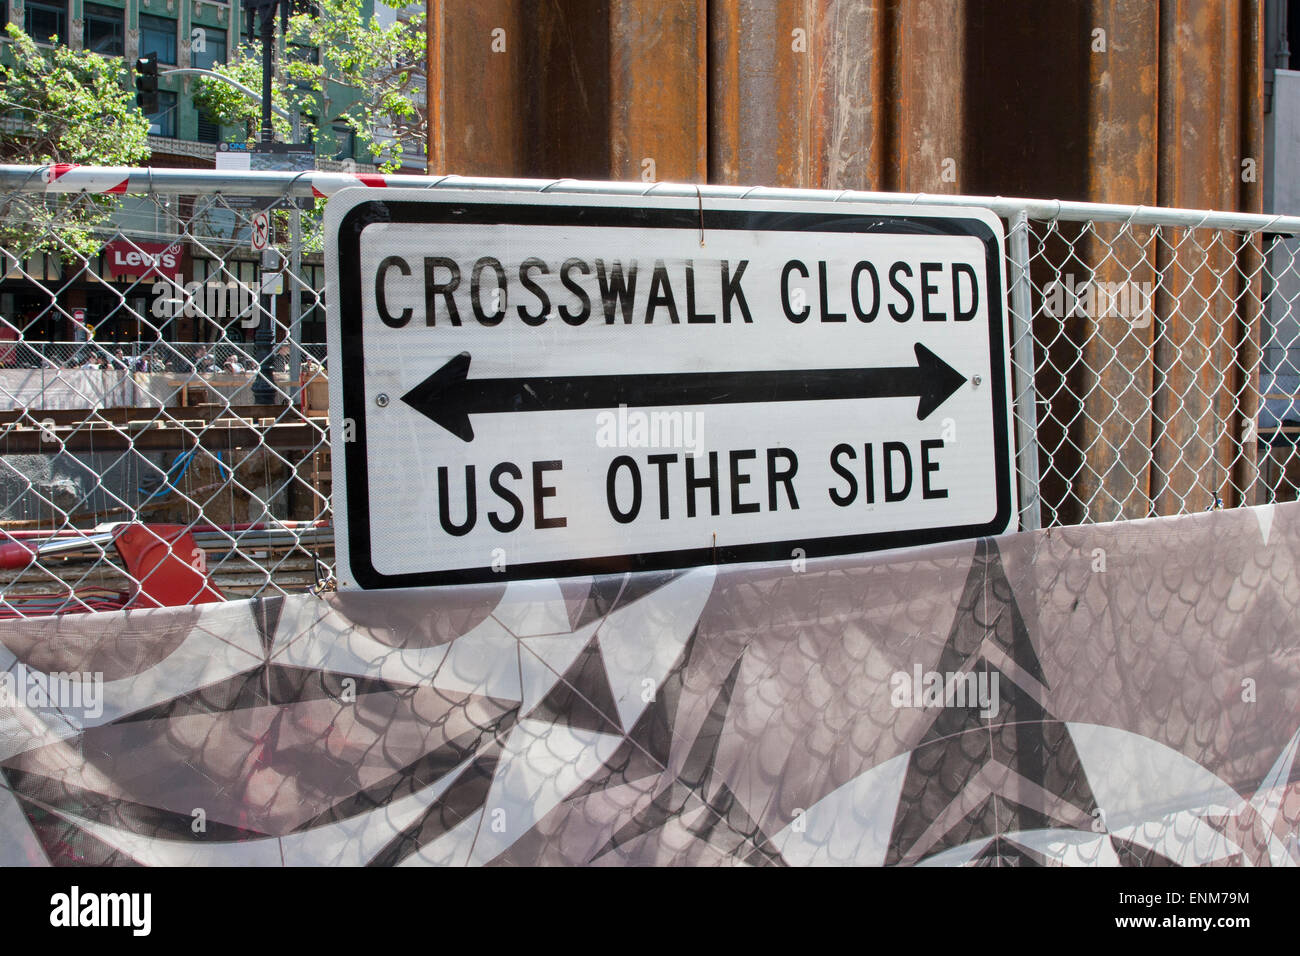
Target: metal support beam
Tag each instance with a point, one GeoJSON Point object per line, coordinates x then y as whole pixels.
{"type": "Point", "coordinates": [1025, 397]}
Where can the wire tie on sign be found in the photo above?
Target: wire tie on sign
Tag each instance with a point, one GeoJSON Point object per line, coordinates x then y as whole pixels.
{"type": "Point", "coordinates": [700, 198]}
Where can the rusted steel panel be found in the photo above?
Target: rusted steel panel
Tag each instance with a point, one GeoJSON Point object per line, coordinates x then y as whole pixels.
{"type": "Point", "coordinates": [658, 90]}
{"type": "Point", "coordinates": [1250, 309]}
{"type": "Point", "coordinates": [1203, 77]}
{"type": "Point", "coordinates": [797, 93]}
{"type": "Point", "coordinates": [759, 98]}
{"type": "Point", "coordinates": [476, 127]}
{"type": "Point", "coordinates": [1025, 105]}
{"type": "Point", "coordinates": [1122, 135]}
{"type": "Point", "coordinates": [436, 26]}
{"type": "Point", "coordinates": [725, 162]}
{"type": "Point", "coordinates": [927, 128]}
{"type": "Point", "coordinates": [1026, 96]}
{"type": "Point", "coordinates": [848, 139]}
{"type": "Point", "coordinates": [1122, 123]}
{"type": "Point", "coordinates": [759, 101]}
{"type": "Point", "coordinates": [1223, 342]}
{"type": "Point", "coordinates": [566, 111]}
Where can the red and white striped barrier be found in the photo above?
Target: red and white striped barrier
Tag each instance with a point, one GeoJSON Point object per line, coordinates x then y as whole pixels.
{"type": "Point", "coordinates": [72, 178]}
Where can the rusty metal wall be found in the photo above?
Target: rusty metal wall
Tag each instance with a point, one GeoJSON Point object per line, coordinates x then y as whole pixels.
{"type": "Point", "coordinates": [1128, 101]}
{"type": "Point", "coordinates": [1149, 102]}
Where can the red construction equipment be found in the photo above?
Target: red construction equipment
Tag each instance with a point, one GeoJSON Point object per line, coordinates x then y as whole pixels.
{"type": "Point", "coordinates": [169, 570]}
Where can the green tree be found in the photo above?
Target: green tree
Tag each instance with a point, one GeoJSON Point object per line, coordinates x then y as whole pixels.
{"type": "Point", "coordinates": [63, 106]}
{"type": "Point", "coordinates": [375, 68]}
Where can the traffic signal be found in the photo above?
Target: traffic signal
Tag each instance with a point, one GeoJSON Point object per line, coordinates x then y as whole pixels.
{"type": "Point", "coordinates": [146, 82]}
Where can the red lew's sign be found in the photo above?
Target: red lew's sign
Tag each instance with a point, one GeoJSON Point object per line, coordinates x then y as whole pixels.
{"type": "Point", "coordinates": [143, 259]}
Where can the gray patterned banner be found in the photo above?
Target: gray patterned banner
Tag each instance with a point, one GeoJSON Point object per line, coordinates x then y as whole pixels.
{"type": "Point", "coordinates": [1111, 695]}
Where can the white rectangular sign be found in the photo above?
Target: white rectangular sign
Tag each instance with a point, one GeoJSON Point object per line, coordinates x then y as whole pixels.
{"type": "Point", "coordinates": [538, 385]}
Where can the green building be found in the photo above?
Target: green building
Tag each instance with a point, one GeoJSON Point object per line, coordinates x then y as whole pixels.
{"type": "Point", "coordinates": [184, 34]}
{"type": "Point", "coordinates": [40, 296]}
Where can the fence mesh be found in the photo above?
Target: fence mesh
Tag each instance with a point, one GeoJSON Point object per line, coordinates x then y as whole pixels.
{"type": "Point", "coordinates": [1153, 394]}
{"type": "Point", "coordinates": [176, 418]}
{"type": "Point", "coordinates": [179, 404]}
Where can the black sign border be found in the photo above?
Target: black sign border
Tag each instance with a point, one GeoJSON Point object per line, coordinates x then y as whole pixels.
{"type": "Point", "coordinates": [436, 210]}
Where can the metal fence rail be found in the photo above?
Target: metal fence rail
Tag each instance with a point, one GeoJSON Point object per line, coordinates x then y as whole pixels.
{"type": "Point", "coordinates": [1156, 360]}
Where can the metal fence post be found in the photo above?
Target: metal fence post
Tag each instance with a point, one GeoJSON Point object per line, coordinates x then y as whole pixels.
{"type": "Point", "coordinates": [1025, 398]}
{"type": "Point", "coordinates": [295, 294]}
{"type": "Point", "coordinates": [263, 383]}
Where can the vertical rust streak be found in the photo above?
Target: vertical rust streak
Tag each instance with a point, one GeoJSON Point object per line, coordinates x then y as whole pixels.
{"type": "Point", "coordinates": [819, 130]}
{"type": "Point", "coordinates": [1165, 448]}
{"type": "Point", "coordinates": [1249, 311]}
{"type": "Point", "coordinates": [1121, 130]}
{"type": "Point", "coordinates": [701, 23]}
{"type": "Point", "coordinates": [656, 90]}
{"type": "Point", "coordinates": [895, 44]}
{"type": "Point", "coordinates": [437, 105]}
{"type": "Point", "coordinates": [927, 127]}
{"type": "Point", "coordinates": [1220, 333]}
{"type": "Point", "coordinates": [1164, 258]}
{"type": "Point", "coordinates": [478, 129]}
{"type": "Point", "coordinates": [1155, 255]}
{"type": "Point", "coordinates": [814, 158]}
{"type": "Point", "coordinates": [566, 89]}
{"type": "Point", "coordinates": [724, 92]}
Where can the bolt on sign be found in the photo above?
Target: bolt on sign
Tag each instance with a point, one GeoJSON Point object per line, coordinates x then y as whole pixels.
{"type": "Point", "coordinates": [537, 385]}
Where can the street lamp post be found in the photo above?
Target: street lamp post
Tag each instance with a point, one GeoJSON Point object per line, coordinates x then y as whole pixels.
{"type": "Point", "coordinates": [264, 338]}
{"type": "Point", "coordinates": [266, 10]}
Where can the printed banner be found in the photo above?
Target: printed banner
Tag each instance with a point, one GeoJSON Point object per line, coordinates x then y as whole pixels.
{"type": "Point", "coordinates": [1109, 695]}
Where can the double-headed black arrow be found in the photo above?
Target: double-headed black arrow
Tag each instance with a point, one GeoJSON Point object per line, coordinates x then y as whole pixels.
{"type": "Point", "coordinates": [450, 397]}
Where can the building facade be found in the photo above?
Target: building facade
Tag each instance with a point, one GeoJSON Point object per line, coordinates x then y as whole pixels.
{"type": "Point", "coordinates": [49, 300]}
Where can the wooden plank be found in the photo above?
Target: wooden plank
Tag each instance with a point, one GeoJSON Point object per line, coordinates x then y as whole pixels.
{"type": "Point", "coordinates": [213, 437]}
{"type": "Point", "coordinates": [146, 413]}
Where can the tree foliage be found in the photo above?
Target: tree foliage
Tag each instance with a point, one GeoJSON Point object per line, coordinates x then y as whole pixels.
{"type": "Point", "coordinates": [379, 66]}
{"type": "Point", "coordinates": [61, 105]}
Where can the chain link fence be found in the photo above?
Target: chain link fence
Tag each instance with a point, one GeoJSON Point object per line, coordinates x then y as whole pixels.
{"type": "Point", "coordinates": [189, 357]}
{"type": "Point", "coordinates": [164, 400]}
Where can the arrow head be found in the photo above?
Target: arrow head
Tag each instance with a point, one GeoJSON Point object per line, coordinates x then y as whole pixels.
{"type": "Point", "coordinates": [939, 381]}
{"type": "Point", "coordinates": [441, 397]}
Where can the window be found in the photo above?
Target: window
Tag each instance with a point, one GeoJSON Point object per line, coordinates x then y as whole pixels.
{"type": "Point", "coordinates": [163, 122]}
{"type": "Point", "coordinates": [346, 137]}
{"type": "Point", "coordinates": [209, 130]}
{"type": "Point", "coordinates": [44, 21]}
{"type": "Point", "coordinates": [213, 52]}
{"type": "Point", "coordinates": [158, 35]}
{"type": "Point", "coordinates": [104, 30]}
